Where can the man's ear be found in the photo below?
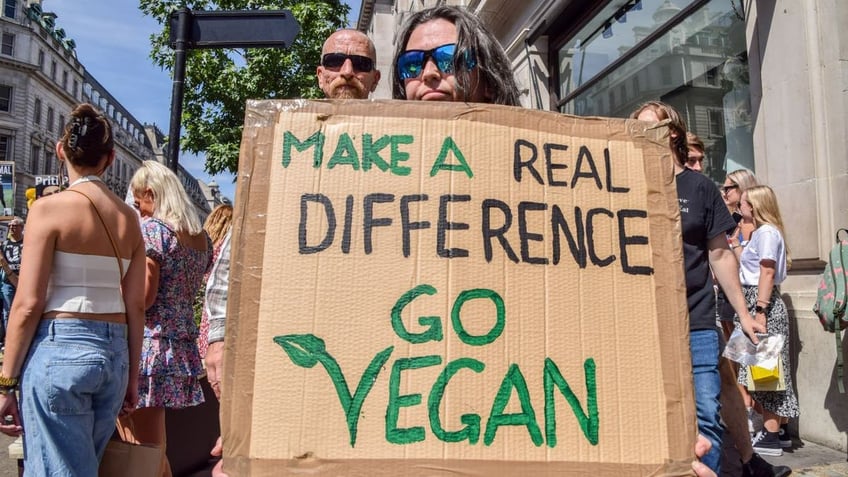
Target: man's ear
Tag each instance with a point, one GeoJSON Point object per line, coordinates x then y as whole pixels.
{"type": "Point", "coordinates": [376, 80]}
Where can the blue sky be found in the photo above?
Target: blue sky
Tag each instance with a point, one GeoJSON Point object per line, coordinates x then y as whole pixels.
{"type": "Point", "coordinates": [112, 38]}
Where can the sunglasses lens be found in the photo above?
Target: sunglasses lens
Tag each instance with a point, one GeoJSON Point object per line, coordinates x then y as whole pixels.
{"type": "Point", "coordinates": [443, 56]}
{"type": "Point", "coordinates": [410, 64]}
{"type": "Point", "coordinates": [362, 63]}
{"type": "Point", "coordinates": [337, 60]}
{"type": "Point", "coordinates": [333, 60]}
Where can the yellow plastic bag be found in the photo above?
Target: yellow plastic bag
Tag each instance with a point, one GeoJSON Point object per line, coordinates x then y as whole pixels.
{"type": "Point", "coordinates": [764, 375]}
{"type": "Point", "coordinates": [763, 379]}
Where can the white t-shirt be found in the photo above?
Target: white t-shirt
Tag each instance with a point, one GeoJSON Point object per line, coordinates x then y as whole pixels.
{"type": "Point", "coordinates": [766, 244]}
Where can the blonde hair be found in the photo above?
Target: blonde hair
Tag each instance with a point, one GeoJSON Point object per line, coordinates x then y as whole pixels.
{"type": "Point", "coordinates": [744, 178]}
{"type": "Point", "coordinates": [218, 223]}
{"type": "Point", "coordinates": [765, 210]}
{"type": "Point", "coordinates": [170, 201]}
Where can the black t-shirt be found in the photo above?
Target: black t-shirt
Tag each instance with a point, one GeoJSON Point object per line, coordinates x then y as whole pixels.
{"type": "Point", "coordinates": [703, 216]}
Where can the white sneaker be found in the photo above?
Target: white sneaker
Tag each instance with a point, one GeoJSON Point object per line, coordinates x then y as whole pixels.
{"type": "Point", "coordinates": [755, 421]}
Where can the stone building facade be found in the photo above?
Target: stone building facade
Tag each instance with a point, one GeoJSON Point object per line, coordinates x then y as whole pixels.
{"type": "Point", "coordinates": [41, 81]}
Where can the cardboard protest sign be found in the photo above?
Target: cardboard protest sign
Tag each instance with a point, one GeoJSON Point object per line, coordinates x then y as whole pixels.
{"type": "Point", "coordinates": [441, 289]}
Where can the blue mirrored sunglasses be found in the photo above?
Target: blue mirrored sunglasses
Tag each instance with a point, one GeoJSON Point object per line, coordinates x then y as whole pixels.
{"type": "Point", "coordinates": [411, 63]}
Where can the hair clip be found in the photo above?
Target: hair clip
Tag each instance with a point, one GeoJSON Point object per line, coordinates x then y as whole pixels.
{"type": "Point", "coordinates": [78, 130]}
{"type": "Point", "coordinates": [73, 139]}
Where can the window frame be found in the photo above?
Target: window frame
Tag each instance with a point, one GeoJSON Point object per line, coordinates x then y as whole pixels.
{"type": "Point", "coordinates": [10, 4]}
{"type": "Point", "coordinates": [8, 48]}
{"type": "Point", "coordinates": [6, 142]}
{"type": "Point", "coordinates": [562, 40]}
{"type": "Point", "coordinates": [34, 156]}
{"type": "Point", "coordinates": [36, 112]}
{"type": "Point", "coordinates": [7, 100]}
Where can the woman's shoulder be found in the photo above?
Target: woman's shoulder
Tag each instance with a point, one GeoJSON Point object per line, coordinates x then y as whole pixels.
{"type": "Point", "coordinates": [157, 225]}
{"type": "Point", "coordinates": [767, 229]}
{"type": "Point", "coordinates": [767, 232]}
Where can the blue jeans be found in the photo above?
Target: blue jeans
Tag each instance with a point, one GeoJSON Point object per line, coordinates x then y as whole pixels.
{"type": "Point", "coordinates": [74, 381]}
{"type": "Point", "coordinates": [705, 348]}
{"type": "Point", "coordinates": [8, 292]}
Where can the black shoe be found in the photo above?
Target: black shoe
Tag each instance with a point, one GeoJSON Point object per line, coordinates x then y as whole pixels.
{"type": "Point", "coordinates": [758, 467]}
{"type": "Point", "coordinates": [783, 435]}
{"type": "Point", "coordinates": [767, 443]}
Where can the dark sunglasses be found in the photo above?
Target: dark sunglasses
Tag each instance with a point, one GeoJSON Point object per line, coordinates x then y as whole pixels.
{"type": "Point", "coordinates": [411, 63]}
{"type": "Point", "coordinates": [727, 188]}
{"type": "Point", "coordinates": [360, 63]}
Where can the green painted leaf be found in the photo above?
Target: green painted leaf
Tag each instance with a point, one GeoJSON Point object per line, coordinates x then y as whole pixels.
{"type": "Point", "coordinates": [304, 350]}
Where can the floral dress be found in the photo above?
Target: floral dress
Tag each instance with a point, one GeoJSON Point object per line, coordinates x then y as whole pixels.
{"type": "Point", "coordinates": [170, 364]}
{"type": "Point", "coordinates": [203, 337]}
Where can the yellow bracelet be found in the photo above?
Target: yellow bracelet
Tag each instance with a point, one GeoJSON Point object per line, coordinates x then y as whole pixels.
{"type": "Point", "coordinates": [8, 382]}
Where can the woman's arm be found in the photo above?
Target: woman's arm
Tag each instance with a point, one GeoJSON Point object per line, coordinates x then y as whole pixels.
{"type": "Point", "coordinates": [726, 269]}
{"type": "Point", "coordinates": [765, 285]}
{"type": "Point", "coordinates": [151, 282]}
{"type": "Point", "coordinates": [134, 299]}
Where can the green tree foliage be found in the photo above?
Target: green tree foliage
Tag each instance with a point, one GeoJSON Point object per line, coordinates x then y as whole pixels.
{"type": "Point", "coordinates": [218, 82]}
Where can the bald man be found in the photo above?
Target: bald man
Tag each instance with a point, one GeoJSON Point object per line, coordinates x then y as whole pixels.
{"type": "Point", "coordinates": [348, 67]}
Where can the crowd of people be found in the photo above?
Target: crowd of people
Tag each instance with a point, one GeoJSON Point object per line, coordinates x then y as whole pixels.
{"type": "Point", "coordinates": [118, 305]}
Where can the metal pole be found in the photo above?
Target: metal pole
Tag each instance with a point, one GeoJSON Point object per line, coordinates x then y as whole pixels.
{"type": "Point", "coordinates": [179, 84]}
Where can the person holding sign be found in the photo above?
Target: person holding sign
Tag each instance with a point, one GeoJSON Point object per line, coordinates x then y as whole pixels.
{"type": "Point", "coordinates": [76, 324]}
{"type": "Point", "coordinates": [348, 68]}
{"type": "Point", "coordinates": [705, 223]}
{"type": "Point", "coordinates": [446, 54]}
{"type": "Point", "coordinates": [10, 264]}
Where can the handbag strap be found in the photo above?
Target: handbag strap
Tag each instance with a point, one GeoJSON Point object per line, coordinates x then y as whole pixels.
{"type": "Point", "coordinates": [108, 232]}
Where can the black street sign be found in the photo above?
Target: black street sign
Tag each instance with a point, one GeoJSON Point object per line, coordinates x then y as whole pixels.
{"type": "Point", "coordinates": [223, 29]}
{"type": "Point", "coordinates": [237, 29]}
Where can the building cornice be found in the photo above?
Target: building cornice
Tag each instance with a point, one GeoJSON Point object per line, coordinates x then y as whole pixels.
{"type": "Point", "coordinates": [366, 14]}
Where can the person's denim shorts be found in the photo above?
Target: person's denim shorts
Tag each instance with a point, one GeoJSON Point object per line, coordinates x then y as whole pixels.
{"type": "Point", "coordinates": [73, 384]}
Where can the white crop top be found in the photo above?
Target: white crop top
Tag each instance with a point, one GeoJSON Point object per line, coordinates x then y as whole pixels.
{"type": "Point", "coordinates": [85, 284]}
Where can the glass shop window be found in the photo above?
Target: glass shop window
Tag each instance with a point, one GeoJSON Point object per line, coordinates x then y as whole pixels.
{"type": "Point", "coordinates": [690, 54]}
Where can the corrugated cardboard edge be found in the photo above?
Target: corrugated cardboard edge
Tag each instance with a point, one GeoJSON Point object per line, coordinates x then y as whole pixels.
{"type": "Point", "coordinates": [246, 276]}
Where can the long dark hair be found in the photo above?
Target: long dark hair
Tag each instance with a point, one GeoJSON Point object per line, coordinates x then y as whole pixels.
{"type": "Point", "coordinates": [491, 61]}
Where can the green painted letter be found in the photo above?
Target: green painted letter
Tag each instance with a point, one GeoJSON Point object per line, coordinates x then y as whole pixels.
{"type": "Point", "coordinates": [371, 152]}
{"type": "Point", "coordinates": [471, 431]}
{"type": "Point", "coordinates": [433, 323]}
{"type": "Point", "coordinates": [345, 154]}
{"type": "Point", "coordinates": [316, 140]}
{"type": "Point", "coordinates": [399, 156]}
{"type": "Point", "coordinates": [396, 401]}
{"type": "Point", "coordinates": [308, 350]}
{"type": "Point", "coordinates": [449, 145]}
{"type": "Point", "coordinates": [527, 417]}
{"type": "Point", "coordinates": [588, 421]}
{"type": "Point", "coordinates": [500, 316]}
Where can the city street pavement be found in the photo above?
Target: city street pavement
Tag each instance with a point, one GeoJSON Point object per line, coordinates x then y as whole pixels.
{"type": "Point", "coordinates": [806, 459]}
{"type": "Point", "coordinates": [8, 467]}
{"type": "Point", "coordinates": [813, 460]}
